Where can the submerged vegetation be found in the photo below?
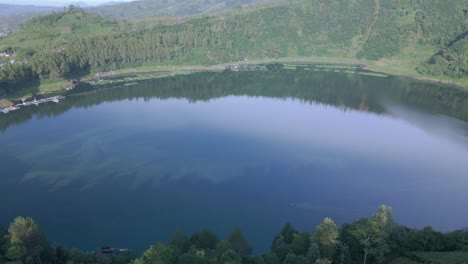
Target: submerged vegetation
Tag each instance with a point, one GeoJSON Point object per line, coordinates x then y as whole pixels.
{"type": "Point", "coordinates": [378, 239]}
{"type": "Point", "coordinates": [427, 35]}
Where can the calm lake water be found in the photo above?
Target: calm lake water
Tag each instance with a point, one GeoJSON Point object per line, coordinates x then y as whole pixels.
{"type": "Point", "coordinates": [126, 166]}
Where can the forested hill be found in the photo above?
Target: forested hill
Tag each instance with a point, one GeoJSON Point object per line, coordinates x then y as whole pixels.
{"type": "Point", "coordinates": [149, 8]}
{"type": "Point", "coordinates": [12, 16]}
{"type": "Point", "coordinates": [404, 34]}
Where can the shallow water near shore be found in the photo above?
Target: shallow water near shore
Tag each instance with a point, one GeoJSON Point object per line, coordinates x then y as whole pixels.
{"type": "Point", "coordinates": [126, 166]}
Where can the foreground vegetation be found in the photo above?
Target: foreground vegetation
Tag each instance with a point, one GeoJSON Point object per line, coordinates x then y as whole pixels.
{"type": "Point", "coordinates": [377, 239]}
{"type": "Point", "coordinates": [405, 37]}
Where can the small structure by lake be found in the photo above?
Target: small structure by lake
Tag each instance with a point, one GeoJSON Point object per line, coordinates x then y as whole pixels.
{"type": "Point", "coordinates": [36, 102]}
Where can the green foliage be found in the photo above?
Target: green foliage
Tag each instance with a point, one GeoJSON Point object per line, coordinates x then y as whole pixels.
{"type": "Point", "coordinates": [24, 239]}
{"type": "Point", "coordinates": [451, 61]}
{"type": "Point", "coordinates": [313, 253]}
{"type": "Point", "coordinates": [403, 23]}
{"type": "Point", "coordinates": [258, 260]}
{"type": "Point", "coordinates": [17, 252]}
{"type": "Point", "coordinates": [323, 261]}
{"type": "Point", "coordinates": [27, 241]}
{"type": "Point", "coordinates": [271, 258]}
{"type": "Point", "coordinates": [291, 258]}
{"type": "Point", "coordinates": [160, 254]}
{"type": "Point", "coordinates": [230, 257]}
{"type": "Point", "coordinates": [280, 247]}
{"type": "Point", "coordinates": [14, 75]}
{"type": "Point", "coordinates": [222, 247]}
{"type": "Point", "coordinates": [124, 258]}
{"type": "Point", "coordinates": [300, 243]}
{"type": "Point", "coordinates": [3, 243]}
{"type": "Point", "coordinates": [180, 242]}
{"type": "Point", "coordinates": [239, 244]}
{"type": "Point", "coordinates": [204, 240]}
{"type": "Point", "coordinates": [191, 258]}
{"type": "Point", "coordinates": [326, 236]}
{"type": "Point", "coordinates": [73, 43]}
{"type": "Point", "coordinates": [372, 234]}
{"type": "Point", "coordinates": [78, 256]}
{"type": "Point", "coordinates": [288, 233]}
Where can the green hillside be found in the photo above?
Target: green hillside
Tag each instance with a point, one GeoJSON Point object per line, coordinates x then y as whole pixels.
{"type": "Point", "coordinates": [151, 8]}
{"type": "Point", "coordinates": [400, 36]}
{"type": "Point", "coordinates": [451, 61]}
{"type": "Point", "coordinates": [13, 16]}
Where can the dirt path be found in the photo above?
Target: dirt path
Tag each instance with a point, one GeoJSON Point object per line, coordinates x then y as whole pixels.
{"type": "Point", "coordinates": [371, 27]}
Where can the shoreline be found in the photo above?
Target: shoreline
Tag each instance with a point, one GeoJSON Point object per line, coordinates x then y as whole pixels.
{"type": "Point", "coordinates": [329, 61]}
{"type": "Point", "coordinates": [187, 69]}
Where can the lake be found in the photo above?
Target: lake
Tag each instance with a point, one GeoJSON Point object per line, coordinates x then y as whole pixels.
{"type": "Point", "coordinates": [127, 165]}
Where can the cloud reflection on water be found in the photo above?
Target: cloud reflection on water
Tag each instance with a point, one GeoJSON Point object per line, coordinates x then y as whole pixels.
{"type": "Point", "coordinates": [173, 139]}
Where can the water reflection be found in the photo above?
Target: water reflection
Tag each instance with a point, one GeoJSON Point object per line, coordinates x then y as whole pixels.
{"type": "Point", "coordinates": [235, 149]}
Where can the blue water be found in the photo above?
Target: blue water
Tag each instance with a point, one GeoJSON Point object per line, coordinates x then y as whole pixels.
{"type": "Point", "coordinates": [129, 172]}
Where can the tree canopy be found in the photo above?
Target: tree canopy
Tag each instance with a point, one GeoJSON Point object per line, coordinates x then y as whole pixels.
{"type": "Point", "coordinates": [73, 43]}
{"type": "Point", "coordinates": [377, 239]}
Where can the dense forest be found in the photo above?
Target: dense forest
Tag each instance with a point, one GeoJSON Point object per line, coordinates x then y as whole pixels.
{"type": "Point", "coordinates": [73, 43]}
{"type": "Point", "coordinates": [378, 239]}
{"type": "Point", "coordinates": [451, 61]}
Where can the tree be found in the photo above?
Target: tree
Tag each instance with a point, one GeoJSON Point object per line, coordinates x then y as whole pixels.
{"type": "Point", "coordinates": [258, 260]}
{"type": "Point", "coordinates": [78, 256]}
{"type": "Point", "coordinates": [230, 257]}
{"type": "Point", "coordinates": [372, 234]}
{"type": "Point", "coordinates": [124, 257]}
{"type": "Point", "coordinates": [158, 254]}
{"type": "Point", "coordinates": [17, 252]}
{"type": "Point", "coordinates": [271, 258]}
{"type": "Point", "coordinates": [280, 248]}
{"type": "Point", "coordinates": [239, 244]}
{"type": "Point", "coordinates": [59, 255]}
{"type": "Point", "coordinates": [313, 253]}
{"type": "Point", "coordinates": [3, 242]}
{"type": "Point", "coordinates": [300, 243]}
{"type": "Point", "coordinates": [204, 240]}
{"type": "Point", "coordinates": [191, 258]}
{"type": "Point", "coordinates": [221, 247]}
{"type": "Point", "coordinates": [180, 242]}
{"type": "Point", "coordinates": [291, 258]}
{"type": "Point", "coordinates": [288, 233]}
{"type": "Point", "coordinates": [326, 236]}
{"type": "Point", "coordinates": [342, 255]}
{"type": "Point", "coordinates": [367, 234]}
{"type": "Point", "coordinates": [27, 241]}
{"type": "Point", "coordinates": [323, 261]}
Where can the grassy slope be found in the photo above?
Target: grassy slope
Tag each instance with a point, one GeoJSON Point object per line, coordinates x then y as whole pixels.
{"type": "Point", "coordinates": [285, 30]}
{"type": "Point", "coordinates": [457, 257]}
